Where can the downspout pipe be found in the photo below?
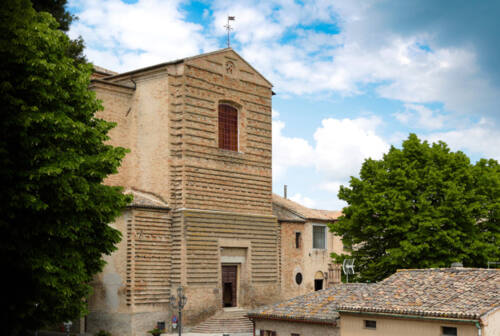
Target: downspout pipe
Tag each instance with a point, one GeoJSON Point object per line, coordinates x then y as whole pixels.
{"type": "Point", "coordinates": [479, 330]}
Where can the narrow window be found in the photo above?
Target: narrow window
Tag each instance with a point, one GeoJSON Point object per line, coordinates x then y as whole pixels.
{"type": "Point", "coordinates": [297, 239]}
{"type": "Point", "coordinates": [228, 127]}
{"type": "Point", "coordinates": [370, 324]}
{"type": "Point", "coordinates": [449, 331]}
{"type": "Point", "coordinates": [319, 237]}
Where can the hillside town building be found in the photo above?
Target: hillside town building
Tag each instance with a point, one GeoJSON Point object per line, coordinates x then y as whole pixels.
{"type": "Point", "coordinates": [306, 246]}
{"type": "Point", "coordinates": [203, 217]}
{"type": "Point", "coordinates": [431, 302]}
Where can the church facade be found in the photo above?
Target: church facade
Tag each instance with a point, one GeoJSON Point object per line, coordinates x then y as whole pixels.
{"type": "Point", "coordinates": [199, 167]}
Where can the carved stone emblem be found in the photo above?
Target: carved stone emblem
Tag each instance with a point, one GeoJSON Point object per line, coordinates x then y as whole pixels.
{"type": "Point", "coordinates": [229, 67]}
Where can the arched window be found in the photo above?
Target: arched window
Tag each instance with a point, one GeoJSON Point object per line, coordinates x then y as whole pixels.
{"type": "Point", "coordinates": [228, 127]}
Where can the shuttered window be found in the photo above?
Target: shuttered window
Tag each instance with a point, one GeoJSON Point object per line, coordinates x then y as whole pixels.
{"type": "Point", "coordinates": [228, 127]}
{"type": "Point", "coordinates": [319, 237]}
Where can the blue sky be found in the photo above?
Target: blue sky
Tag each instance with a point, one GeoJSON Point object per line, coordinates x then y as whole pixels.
{"type": "Point", "coordinates": [352, 77]}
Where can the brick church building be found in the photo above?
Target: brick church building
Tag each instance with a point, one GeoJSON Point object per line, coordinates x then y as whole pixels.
{"type": "Point", "coordinates": [200, 170]}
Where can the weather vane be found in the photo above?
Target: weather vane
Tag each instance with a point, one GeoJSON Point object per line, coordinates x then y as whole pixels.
{"type": "Point", "coordinates": [229, 28]}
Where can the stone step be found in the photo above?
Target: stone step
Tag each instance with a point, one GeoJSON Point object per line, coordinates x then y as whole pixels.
{"type": "Point", "coordinates": [229, 321]}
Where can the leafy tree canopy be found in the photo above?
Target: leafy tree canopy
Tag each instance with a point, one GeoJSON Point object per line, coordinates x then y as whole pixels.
{"type": "Point", "coordinates": [57, 8]}
{"type": "Point", "coordinates": [53, 159]}
{"type": "Point", "coordinates": [421, 206]}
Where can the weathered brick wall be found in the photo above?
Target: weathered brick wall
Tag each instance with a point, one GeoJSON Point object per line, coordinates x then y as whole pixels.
{"type": "Point", "coordinates": [141, 113]}
{"type": "Point", "coordinates": [149, 252]}
{"type": "Point", "coordinates": [305, 259]}
{"type": "Point", "coordinates": [292, 259]}
{"type": "Point", "coordinates": [215, 178]}
{"type": "Point", "coordinates": [116, 102]}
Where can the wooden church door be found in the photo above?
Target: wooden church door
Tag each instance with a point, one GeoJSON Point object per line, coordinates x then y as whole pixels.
{"type": "Point", "coordinates": [229, 282]}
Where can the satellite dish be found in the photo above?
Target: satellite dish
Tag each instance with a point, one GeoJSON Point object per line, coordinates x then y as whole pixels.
{"type": "Point", "coordinates": [348, 267]}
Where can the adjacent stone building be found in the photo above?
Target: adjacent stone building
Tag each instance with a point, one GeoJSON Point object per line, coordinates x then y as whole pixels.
{"type": "Point", "coordinates": [203, 216]}
{"type": "Point", "coordinates": [431, 302]}
{"type": "Point", "coordinates": [306, 245]}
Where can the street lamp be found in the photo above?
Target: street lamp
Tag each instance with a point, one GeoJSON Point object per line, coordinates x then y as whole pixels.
{"type": "Point", "coordinates": [67, 327]}
{"type": "Point", "coordinates": [179, 303]}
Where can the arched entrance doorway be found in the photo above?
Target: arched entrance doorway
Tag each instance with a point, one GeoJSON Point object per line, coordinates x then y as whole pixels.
{"type": "Point", "coordinates": [318, 281]}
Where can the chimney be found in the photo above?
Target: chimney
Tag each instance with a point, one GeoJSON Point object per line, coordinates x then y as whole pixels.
{"type": "Point", "coordinates": [285, 191]}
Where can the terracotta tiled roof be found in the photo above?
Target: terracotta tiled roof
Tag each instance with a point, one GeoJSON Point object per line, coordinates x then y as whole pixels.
{"type": "Point", "coordinates": [302, 211]}
{"type": "Point", "coordinates": [320, 306]}
{"type": "Point", "coordinates": [144, 199]}
{"type": "Point", "coordinates": [466, 293]}
{"type": "Point", "coordinates": [461, 293]}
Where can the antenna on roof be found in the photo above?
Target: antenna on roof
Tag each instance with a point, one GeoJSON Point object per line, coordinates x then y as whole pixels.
{"type": "Point", "coordinates": [348, 267]}
{"type": "Point", "coordinates": [229, 28]}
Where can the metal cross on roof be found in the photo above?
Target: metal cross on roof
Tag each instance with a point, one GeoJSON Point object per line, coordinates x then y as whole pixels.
{"type": "Point", "coordinates": [229, 28]}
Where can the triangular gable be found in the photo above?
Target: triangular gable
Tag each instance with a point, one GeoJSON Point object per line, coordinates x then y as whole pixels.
{"type": "Point", "coordinates": [216, 58]}
{"type": "Point", "coordinates": [219, 58]}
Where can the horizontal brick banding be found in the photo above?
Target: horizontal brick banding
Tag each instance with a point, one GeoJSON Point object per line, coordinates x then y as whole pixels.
{"type": "Point", "coordinates": [148, 257]}
{"type": "Point", "coordinates": [203, 229]}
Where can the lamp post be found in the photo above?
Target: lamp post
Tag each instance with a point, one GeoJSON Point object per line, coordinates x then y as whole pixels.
{"type": "Point", "coordinates": [179, 303]}
{"type": "Point", "coordinates": [67, 327]}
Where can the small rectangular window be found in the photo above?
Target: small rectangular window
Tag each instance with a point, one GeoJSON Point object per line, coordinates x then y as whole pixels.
{"type": "Point", "coordinates": [294, 334]}
{"type": "Point", "coordinates": [370, 324]}
{"type": "Point", "coordinates": [297, 239]}
{"type": "Point", "coordinates": [319, 237]}
{"type": "Point", "coordinates": [449, 331]}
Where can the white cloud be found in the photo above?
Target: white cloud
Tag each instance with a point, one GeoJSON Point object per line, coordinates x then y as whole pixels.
{"type": "Point", "coordinates": [404, 117]}
{"type": "Point", "coordinates": [363, 52]}
{"type": "Point", "coordinates": [481, 139]}
{"type": "Point", "coordinates": [332, 186]}
{"type": "Point", "coordinates": [340, 147]}
{"type": "Point", "coordinates": [275, 114]}
{"type": "Point", "coordinates": [279, 38]}
{"type": "Point", "coordinates": [421, 117]}
{"type": "Point", "coordinates": [289, 151]}
{"type": "Point", "coordinates": [124, 36]}
{"type": "Point", "coordinates": [306, 201]}
{"type": "Point", "coordinates": [343, 144]}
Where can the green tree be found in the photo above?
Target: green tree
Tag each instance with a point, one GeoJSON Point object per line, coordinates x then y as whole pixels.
{"type": "Point", "coordinates": [53, 159]}
{"type": "Point", "coordinates": [420, 206]}
{"type": "Point", "coordinates": [57, 8]}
